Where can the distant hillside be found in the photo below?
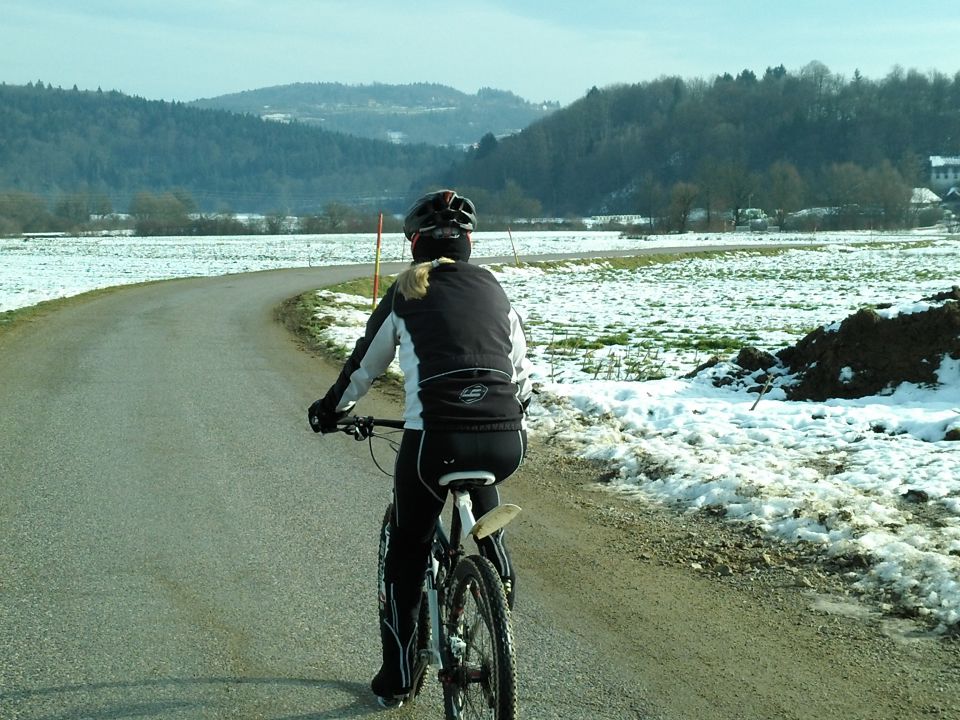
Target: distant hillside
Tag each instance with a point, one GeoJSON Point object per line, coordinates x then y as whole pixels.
{"type": "Point", "coordinates": [416, 113]}
{"type": "Point", "coordinates": [55, 142]}
{"type": "Point", "coordinates": [780, 142]}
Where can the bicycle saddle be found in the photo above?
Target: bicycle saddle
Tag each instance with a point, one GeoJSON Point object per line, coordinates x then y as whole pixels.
{"type": "Point", "coordinates": [467, 479]}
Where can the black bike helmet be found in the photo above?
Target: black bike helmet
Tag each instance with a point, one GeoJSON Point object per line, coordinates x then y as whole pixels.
{"type": "Point", "coordinates": [440, 214]}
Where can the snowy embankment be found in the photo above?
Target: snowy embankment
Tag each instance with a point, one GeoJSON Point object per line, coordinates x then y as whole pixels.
{"type": "Point", "coordinates": [817, 473]}
{"type": "Point", "coordinates": [886, 503]}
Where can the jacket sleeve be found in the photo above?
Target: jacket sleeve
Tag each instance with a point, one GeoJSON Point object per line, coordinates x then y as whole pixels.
{"type": "Point", "coordinates": [522, 366]}
{"type": "Point", "coordinates": [371, 356]}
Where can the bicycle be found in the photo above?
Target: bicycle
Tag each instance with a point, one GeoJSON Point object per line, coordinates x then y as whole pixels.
{"type": "Point", "coordinates": [464, 628]}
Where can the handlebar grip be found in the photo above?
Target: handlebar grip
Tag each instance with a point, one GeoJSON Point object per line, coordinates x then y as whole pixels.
{"type": "Point", "coordinates": [398, 424]}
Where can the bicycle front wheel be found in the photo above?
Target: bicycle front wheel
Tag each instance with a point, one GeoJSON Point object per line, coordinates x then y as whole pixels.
{"type": "Point", "coordinates": [482, 682]}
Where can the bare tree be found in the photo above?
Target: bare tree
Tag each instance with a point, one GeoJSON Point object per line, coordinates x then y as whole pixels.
{"type": "Point", "coordinates": [889, 194]}
{"type": "Point", "coordinates": [682, 197]}
{"type": "Point", "coordinates": [785, 190]}
{"type": "Point", "coordinates": [736, 186]}
{"type": "Point", "coordinates": [708, 181]}
{"type": "Point", "coordinates": [650, 199]}
{"type": "Point", "coordinates": [845, 186]}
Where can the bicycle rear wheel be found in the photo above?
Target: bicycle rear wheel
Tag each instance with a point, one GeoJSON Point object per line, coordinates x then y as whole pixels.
{"type": "Point", "coordinates": [483, 680]}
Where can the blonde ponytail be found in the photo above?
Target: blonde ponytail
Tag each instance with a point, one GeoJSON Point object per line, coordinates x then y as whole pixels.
{"type": "Point", "coordinates": [413, 282]}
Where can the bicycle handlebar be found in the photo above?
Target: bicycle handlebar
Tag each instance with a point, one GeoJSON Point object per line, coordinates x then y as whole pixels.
{"type": "Point", "coordinates": [361, 427]}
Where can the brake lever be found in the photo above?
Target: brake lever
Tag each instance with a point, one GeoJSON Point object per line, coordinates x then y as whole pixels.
{"type": "Point", "coordinates": [361, 432]}
{"type": "Point", "coordinates": [358, 429]}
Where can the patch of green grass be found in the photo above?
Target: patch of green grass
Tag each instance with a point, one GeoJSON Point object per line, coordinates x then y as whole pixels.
{"type": "Point", "coordinates": [303, 316]}
{"type": "Point", "coordinates": [634, 262]}
{"type": "Point", "coordinates": [620, 338]}
{"type": "Point", "coordinates": [572, 342]}
{"type": "Point", "coordinates": [10, 318]}
{"type": "Point", "coordinates": [632, 364]}
{"type": "Point", "coordinates": [708, 344]}
{"type": "Point", "coordinates": [362, 286]}
{"type": "Point", "coordinates": [653, 335]}
{"type": "Point", "coordinates": [792, 330]}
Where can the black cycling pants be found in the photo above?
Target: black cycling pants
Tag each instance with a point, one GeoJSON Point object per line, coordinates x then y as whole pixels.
{"type": "Point", "coordinates": [425, 456]}
{"type": "Point", "coordinates": [418, 500]}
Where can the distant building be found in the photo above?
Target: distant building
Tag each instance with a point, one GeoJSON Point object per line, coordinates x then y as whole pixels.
{"type": "Point", "coordinates": [924, 196]}
{"type": "Point", "coordinates": [944, 172]}
{"type": "Point", "coordinates": [952, 198]}
{"type": "Point", "coordinates": [615, 220]}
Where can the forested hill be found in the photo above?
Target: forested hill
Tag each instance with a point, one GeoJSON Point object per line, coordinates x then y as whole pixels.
{"type": "Point", "coordinates": [55, 142]}
{"type": "Point", "coordinates": [419, 112]}
{"type": "Point", "coordinates": [783, 140]}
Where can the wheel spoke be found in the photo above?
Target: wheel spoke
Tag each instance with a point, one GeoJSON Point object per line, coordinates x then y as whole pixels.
{"type": "Point", "coordinates": [484, 684]}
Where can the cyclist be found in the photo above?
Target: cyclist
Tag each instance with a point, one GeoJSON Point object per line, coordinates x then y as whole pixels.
{"type": "Point", "coordinates": [467, 384]}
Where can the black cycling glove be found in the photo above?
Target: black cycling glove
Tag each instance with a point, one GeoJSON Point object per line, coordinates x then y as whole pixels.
{"type": "Point", "coordinates": [322, 419]}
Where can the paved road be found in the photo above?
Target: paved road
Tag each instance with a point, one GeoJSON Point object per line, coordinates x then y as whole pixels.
{"type": "Point", "coordinates": [175, 543]}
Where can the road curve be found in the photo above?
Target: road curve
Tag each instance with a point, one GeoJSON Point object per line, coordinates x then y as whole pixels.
{"type": "Point", "coordinates": [175, 542]}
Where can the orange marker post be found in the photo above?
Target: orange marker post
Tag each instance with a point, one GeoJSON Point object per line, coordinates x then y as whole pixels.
{"type": "Point", "coordinates": [376, 265]}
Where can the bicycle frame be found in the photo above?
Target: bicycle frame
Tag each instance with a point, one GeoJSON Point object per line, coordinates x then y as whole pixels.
{"type": "Point", "coordinates": [440, 552]}
{"type": "Point", "coordinates": [447, 551]}
{"type": "Point", "coordinates": [446, 650]}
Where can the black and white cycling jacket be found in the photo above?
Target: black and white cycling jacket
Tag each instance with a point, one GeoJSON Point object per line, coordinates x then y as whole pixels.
{"type": "Point", "coordinates": [462, 350]}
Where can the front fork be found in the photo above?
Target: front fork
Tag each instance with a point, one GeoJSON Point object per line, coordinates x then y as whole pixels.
{"type": "Point", "coordinates": [455, 645]}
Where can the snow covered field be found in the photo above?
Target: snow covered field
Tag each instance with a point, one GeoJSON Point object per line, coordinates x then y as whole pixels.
{"type": "Point", "coordinates": [812, 472]}
{"type": "Point", "coordinates": [36, 269]}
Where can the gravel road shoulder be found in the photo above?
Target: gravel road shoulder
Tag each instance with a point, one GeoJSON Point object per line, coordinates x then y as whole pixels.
{"type": "Point", "coordinates": [717, 620]}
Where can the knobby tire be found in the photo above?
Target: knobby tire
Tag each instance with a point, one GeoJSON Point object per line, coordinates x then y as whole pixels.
{"type": "Point", "coordinates": [477, 613]}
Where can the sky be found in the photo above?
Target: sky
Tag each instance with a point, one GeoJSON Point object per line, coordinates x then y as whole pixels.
{"type": "Point", "coordinates": [830, 474]}
{"type": "Point", "coordinates": [542, 51]}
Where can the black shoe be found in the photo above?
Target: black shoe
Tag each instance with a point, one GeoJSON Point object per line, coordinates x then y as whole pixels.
{"type": "Point", "coordinates": [390, 703]}
{"type": "Point", "coordinates": [387, 691]}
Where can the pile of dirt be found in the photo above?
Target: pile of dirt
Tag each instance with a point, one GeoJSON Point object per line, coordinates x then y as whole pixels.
{"type": "Point", "coordinates": [868, 353]}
